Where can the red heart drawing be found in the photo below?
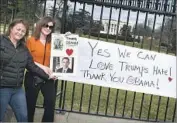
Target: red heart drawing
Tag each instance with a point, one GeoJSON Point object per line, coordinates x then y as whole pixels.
{"type": "Point", "coordinates": [169, 79]}
{"type": "Point", "coordinates": [69, 51]}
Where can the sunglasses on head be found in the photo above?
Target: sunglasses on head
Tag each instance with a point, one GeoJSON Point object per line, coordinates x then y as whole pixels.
{"type": "Point", "coordinates": [47, 26]}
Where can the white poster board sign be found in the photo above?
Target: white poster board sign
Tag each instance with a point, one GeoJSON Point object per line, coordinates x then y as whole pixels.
{"type": "Point", "coordinates": [112, 65]}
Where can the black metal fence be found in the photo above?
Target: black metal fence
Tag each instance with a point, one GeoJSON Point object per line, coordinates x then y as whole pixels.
{"type": "Point", "coordinates": [146, 24]}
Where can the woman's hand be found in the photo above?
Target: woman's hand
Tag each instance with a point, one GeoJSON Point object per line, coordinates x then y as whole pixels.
{"type": "Point", "coordinates": [47, 70]}
{"type": "Point", "coordinates": [52, 77]}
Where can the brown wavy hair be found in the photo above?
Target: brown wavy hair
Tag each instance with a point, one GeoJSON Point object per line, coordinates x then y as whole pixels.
{"type": "Point", "coordinates": [15, 22]}
{"type": "Point", "coordinates": [43, 21]}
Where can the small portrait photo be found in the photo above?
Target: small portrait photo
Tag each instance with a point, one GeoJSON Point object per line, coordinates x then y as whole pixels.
{"type": "Point", "coordinates": [58, 44]}
{"type": "Point", "coordinates": [56, 63]}
{"type": "Point", "coordinates": [63, 64]}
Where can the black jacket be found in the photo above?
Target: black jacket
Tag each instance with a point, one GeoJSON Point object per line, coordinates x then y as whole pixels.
{"type": "Point", "coordinates": [13, 62]}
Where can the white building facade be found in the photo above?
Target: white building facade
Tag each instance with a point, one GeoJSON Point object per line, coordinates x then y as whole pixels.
{"type": "Point", "coordinates": [113, 26]}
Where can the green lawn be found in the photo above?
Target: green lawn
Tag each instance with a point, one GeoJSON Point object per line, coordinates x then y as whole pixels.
{"type": "Point", "coordinates": [112, 100]}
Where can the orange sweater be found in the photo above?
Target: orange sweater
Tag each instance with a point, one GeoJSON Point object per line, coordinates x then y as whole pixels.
{"type": "Point", "coordinates": [36, 49]}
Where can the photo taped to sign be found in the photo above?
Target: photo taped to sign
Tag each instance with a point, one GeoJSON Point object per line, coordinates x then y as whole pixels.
{"type": "Point", "coordinates": [63, 64]}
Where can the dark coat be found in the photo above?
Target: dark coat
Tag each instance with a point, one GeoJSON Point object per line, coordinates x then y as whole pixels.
{"type": "Point", "coordinates": [13, 62]}
{"type": "Point", "coordinates": [60, 70]}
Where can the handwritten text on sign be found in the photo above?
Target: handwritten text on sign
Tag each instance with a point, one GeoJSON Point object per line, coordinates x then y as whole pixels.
{"type": "Point", "coordinates": [112, 65]}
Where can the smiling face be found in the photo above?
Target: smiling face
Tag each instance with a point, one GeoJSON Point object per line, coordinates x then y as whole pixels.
{"type": "Point", "coordinates": [17, 32]}
{"type": "Point", "coordinates": [65, 63]}
{"type": "Point", "coordinates": [47, 28]}
{"type": "Point", "coordinates": [44, 28]}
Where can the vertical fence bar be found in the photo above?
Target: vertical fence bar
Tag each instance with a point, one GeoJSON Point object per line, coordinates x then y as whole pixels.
{"type": "Point", "coordinates": [166, 109]}
{"type": "Point", "coordinates": [5, 21]}
{"type": "Point", "coordinates": [83, 16]}
{"type": "Point", "coordinates": [25, 12]}
{"type": "Point", "coordinates": [16, 8]}
{"type": "Point", "coordinates": [142, 43]}
{"type": "Point", "coordinates": [35, 5]}
{"type": "Point", "coordinates": [125, 38]}
{"type": "Point", "coordinates": [1, 6]}
{"type": "Point", "coordinates": [23, 3]}
{"type": "Point", "coordinates": [82, 92]}
{"type": "Point", "coordinates": [169, 36]}
{"type": "Point", "coordinates": [99, 96]}
{"type": "Point", "coordinates": [152, 32]}
{"type": "Point", "coordinates": [54, 8]}
{"type": "Point", "coordinates": [56, 87]}
{"type": "Point", "coordinates": [149, 109]}
{"type": "Point", "coordinates": [73, 92]}
{"type": "Point", "coordinates": [107, 101]}
{"type": "Point", "coordinates": [61, 95]}
{"type": "Point", "coordinates": [150, 5]}
{"type": "Point", "coordinates": [118, 23]}
{"type": "Point", "coordinates": [64, 95]}
{"type": "Point", "coordinates": [129, 2]}
{"type": "Point", "coordinates": [174, 36]}
{"type": "Point", "coordinates": [13, 11]}
{"type": "Point", "coordinates": [120, 2]}
{"type": "Point", "coordinates": [45, 2]}
{"type": "Point", "coordinates": [174, 6]}
{"type": "Point", "coordinates": [163, 22]}
{"type": "Point", "coordinates": [64, 16]}
{"type": "Point", "coordinates": [158, 107]}
{"type": "Point", "coordinates": [90, 98]}
{"type": "Point", "coordinates": [73, 20]}
{"type": "Point", "coordinates": [125, 99]}
{"type": "Point", "coordinates": [141, 3]}
{"type": "Point", "coordinates": [100, 23]}
{"type": "Point", "coordinates": [174, 113]}
{"type": "Point", "coordinates": [164, 5]}
{"type": "Point", "coordinates": [147, 4]}
{"type": "Point", "coordinates": [133, 105]}
{"type": "Point", "coordinates": [161, 5]}
{"type": "Point", "coordinates": [135, 29]}
{"type": "Point", "coordinates": [144, 5]}
{"type": "Point", "coordinates": [91, 20]}
{"type": "Point", "coordinates": [157, 4]}
{"type": "Point", "coordinates": [110, 16]}
{"type": "Point", "coordinates": [115, 109]}
{"type": "Point", "coordinates": [1, 12]}
{"type": "Point", "coordinates": [141, 107]}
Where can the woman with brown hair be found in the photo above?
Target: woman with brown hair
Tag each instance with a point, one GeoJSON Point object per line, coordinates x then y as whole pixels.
{"type": "Point", "coordinates": [14, 58]}
{"type": "Point", "coordinates": [39, 45]}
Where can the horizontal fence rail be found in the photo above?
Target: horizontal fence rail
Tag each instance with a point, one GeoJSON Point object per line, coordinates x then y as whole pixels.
{"type": "Point", "coordinates": [153, 6]}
